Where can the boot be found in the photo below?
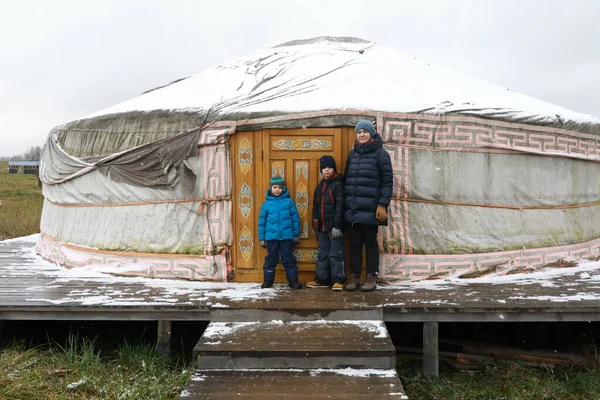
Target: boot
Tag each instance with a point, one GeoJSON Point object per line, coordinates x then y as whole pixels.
{"type": "Point", "coordinates": [295, 284]}
{"type": "Point", "coordinates": [370, 284]}
{"type": "Point", "coordinates": [354, 282]}
{"type": "Point", "coordinates": [266, 285]}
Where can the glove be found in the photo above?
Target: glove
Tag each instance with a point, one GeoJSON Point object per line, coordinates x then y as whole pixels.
{"type": "Point", "coordinates": [263, 244]}
{"type": "Point", "coordinates": [296, 240]}
{"type": "Point", "coordinates": [381, 214]}
{"type": "Point", "coordinates": [336, 233]}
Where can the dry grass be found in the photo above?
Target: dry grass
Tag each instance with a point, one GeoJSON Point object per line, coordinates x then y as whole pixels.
{"type": "Point", "coordinates": [21, 204]}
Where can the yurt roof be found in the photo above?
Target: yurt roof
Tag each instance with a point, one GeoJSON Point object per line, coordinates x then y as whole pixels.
{"type": "Point", "coordinates": [328, 73]}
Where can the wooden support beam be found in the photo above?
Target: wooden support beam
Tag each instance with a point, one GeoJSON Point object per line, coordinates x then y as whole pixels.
{"type": "Point", "coordinates": [430, 350]}
{"type": "Point", "coordinates": [163, 343]}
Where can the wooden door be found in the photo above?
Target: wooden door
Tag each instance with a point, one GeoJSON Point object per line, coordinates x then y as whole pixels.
{"type": "Point", "coordinates": [293, 154]}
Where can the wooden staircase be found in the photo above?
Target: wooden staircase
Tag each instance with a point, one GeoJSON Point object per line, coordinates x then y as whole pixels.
{"type": "Point", "coordinates": [295, 358]}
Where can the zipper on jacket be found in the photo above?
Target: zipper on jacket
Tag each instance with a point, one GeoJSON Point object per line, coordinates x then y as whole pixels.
{"type": "Point", "coordinates": [323, 206]}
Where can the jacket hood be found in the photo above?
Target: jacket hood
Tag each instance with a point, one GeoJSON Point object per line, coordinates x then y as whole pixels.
{"type": "Point", "coordinates": [373, 145]}
{"type": "Point", "coordinates": [283, 195]}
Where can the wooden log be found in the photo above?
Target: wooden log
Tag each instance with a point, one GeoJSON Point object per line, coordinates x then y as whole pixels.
{"type": "Point", "coordinates": [460, 361]}
{"type": "Point", "coordinates": [163, 343]}
{"type": "Point", "coordinates": [430, 350]}
{"type": "Point", "coordinates": [540, 357]}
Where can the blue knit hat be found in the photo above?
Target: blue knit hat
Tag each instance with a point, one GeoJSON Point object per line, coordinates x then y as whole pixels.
{"type": "Point", "coordinates": [276, 180]}
{"type": "Point", "coordinates": [366, 125]}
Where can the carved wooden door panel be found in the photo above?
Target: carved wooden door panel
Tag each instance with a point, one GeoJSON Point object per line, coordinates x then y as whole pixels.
{"type": "Point", "coordinates": [293, 154]}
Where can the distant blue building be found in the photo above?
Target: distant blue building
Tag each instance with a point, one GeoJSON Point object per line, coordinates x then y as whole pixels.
{"type": "Point", "coordinates": [24, 166]}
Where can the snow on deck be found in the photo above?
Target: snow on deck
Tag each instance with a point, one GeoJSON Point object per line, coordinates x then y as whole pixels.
{"type": "Point", "coordinates": [46, 283]}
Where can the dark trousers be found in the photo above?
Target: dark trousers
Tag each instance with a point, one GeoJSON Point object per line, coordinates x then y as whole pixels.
{"type": "Point", "coordinates": [330, 264]}
{"type": "Point", "coordinates": [286, 249]}
{"type": "Point", "coordinates": [361, 234]}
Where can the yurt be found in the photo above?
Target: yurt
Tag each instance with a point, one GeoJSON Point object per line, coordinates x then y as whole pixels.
{"type": "Point", "coordinates": [169, 184]}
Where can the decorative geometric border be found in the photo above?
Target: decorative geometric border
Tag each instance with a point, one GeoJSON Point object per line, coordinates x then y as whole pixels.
{"type": "Point", "coordinates": [246, 243]}
{"type": "Point", "coordinates": [301, 196]}
{"type": "Point", "coordinates": [302, 199]}
{"type": "Point", "coordinates": [208, 268]}
{"type": "Point", "coordinates": [301, 144]}
{"type": "Point", "coordinates": [278, 169]}
{"type": "Point", "coordinates": [460, 133]}
{"type": "Point", "coordinates": [421, 266]}
{"type": "Point", "coordinates": [303, 255]}
{"type": "Point", "coordinates": [245, 200]}
{"type": "Point", "coordinates": [245, 155]}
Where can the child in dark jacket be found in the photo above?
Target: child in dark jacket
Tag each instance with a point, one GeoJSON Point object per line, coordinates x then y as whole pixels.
{"type": "Point", "coordinates": [278, 232]}
{"type": "Point", "coordinates": [328, 222]}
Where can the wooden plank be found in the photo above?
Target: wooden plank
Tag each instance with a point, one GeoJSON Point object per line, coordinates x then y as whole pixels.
{"type": "Point", "coordinates": [307, 384]}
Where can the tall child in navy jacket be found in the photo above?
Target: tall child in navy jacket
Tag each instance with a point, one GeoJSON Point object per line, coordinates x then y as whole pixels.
{"type": "Point", "coordinates": [278, 232]}
{"type": "Point", "coordinates": [328, 222]}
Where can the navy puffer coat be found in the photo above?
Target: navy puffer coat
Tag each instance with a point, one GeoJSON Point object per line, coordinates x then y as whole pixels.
{"type": "Point", "coordinates": [279, 219]}
{"type": "Point", "coordinates": [369, 182]}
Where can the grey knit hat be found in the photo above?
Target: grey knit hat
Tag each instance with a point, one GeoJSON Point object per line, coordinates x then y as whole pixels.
{"type": "Point", "coordinates": [366, 125]}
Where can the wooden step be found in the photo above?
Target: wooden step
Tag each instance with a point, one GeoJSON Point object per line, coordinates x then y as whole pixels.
{"type": "Point", "coordinates": [298, 311]}
{"type": "Point", "coordinates": [294, 384]}
{"type": "Point", "coordinates": [295, 344]}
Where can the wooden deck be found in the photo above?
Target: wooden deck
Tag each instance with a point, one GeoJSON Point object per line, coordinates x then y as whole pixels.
{"type": "Point", "coordinates": [32, 289]}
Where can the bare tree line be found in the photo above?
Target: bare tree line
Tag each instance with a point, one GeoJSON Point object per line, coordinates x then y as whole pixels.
{"type": "Point", "coordinates": [33, 153]}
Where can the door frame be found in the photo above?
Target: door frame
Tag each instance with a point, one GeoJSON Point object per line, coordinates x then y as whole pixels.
{"type": "Point", "coordinates": [258, 145]}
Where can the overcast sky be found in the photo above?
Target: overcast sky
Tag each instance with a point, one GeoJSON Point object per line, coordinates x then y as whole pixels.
{"type": "Point", "coordinates": [60, 60]}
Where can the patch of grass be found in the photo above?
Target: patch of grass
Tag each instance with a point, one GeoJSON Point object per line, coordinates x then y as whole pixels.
{"type": "Point", "coordinates": [502, 380]}
{"type": "Point", "coordinates": [78, 370]}
{"type": "Point", "coordinates": [21, 204]}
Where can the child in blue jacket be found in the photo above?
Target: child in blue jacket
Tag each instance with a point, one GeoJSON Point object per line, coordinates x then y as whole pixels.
{"type": "Point", "coordinates": [278, 232]}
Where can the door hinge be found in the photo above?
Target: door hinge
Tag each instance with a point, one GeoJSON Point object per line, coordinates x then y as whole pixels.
{"type": "Point", "coordinates": [262, 156]}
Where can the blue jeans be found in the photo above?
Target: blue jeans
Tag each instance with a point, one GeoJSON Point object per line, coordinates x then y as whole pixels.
{"type": "Point", "coordinates": [330, 264]}
{"type": "Point", "coordinates": [286, 249]}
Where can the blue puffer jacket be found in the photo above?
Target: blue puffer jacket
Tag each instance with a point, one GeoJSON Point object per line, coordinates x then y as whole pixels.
{"type": "Point", "coordinates": [279, 219]}
{"type": "Point", "coordinates": [369, 182]}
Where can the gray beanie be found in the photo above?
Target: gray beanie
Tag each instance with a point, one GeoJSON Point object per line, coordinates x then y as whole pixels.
{"type": "Point", "coordinates": [366, 125]}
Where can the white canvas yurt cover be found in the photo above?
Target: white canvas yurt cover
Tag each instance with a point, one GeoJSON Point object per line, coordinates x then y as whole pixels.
{"type": "Point", "coordinates": [484, 177]}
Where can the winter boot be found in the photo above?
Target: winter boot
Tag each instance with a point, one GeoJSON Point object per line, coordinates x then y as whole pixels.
{"type": "Point", "coordinates": [266, 285]}
{"type": "Point", "coordinates": [354, 282]}
{"type": "Point", "coordinates": [316, 284]}
{"type": "Point", "coordinates": [295, 285]}
{"type": "Point", "coordinates": [370, 284]}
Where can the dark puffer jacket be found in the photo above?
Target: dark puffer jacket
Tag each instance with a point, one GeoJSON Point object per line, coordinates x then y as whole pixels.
{"type": "Point", "coordinates": [328, 203]}
{"type": "Point", "coordinates": [369, 182]}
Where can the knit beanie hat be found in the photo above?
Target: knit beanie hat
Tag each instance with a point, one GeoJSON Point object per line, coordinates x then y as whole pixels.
{"type": "Point", "coordinates": [328, 162]}
{"type": "Point", "coordinates": [276, 180]}
{"type": "Point", "coordinates": [366, 125]}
